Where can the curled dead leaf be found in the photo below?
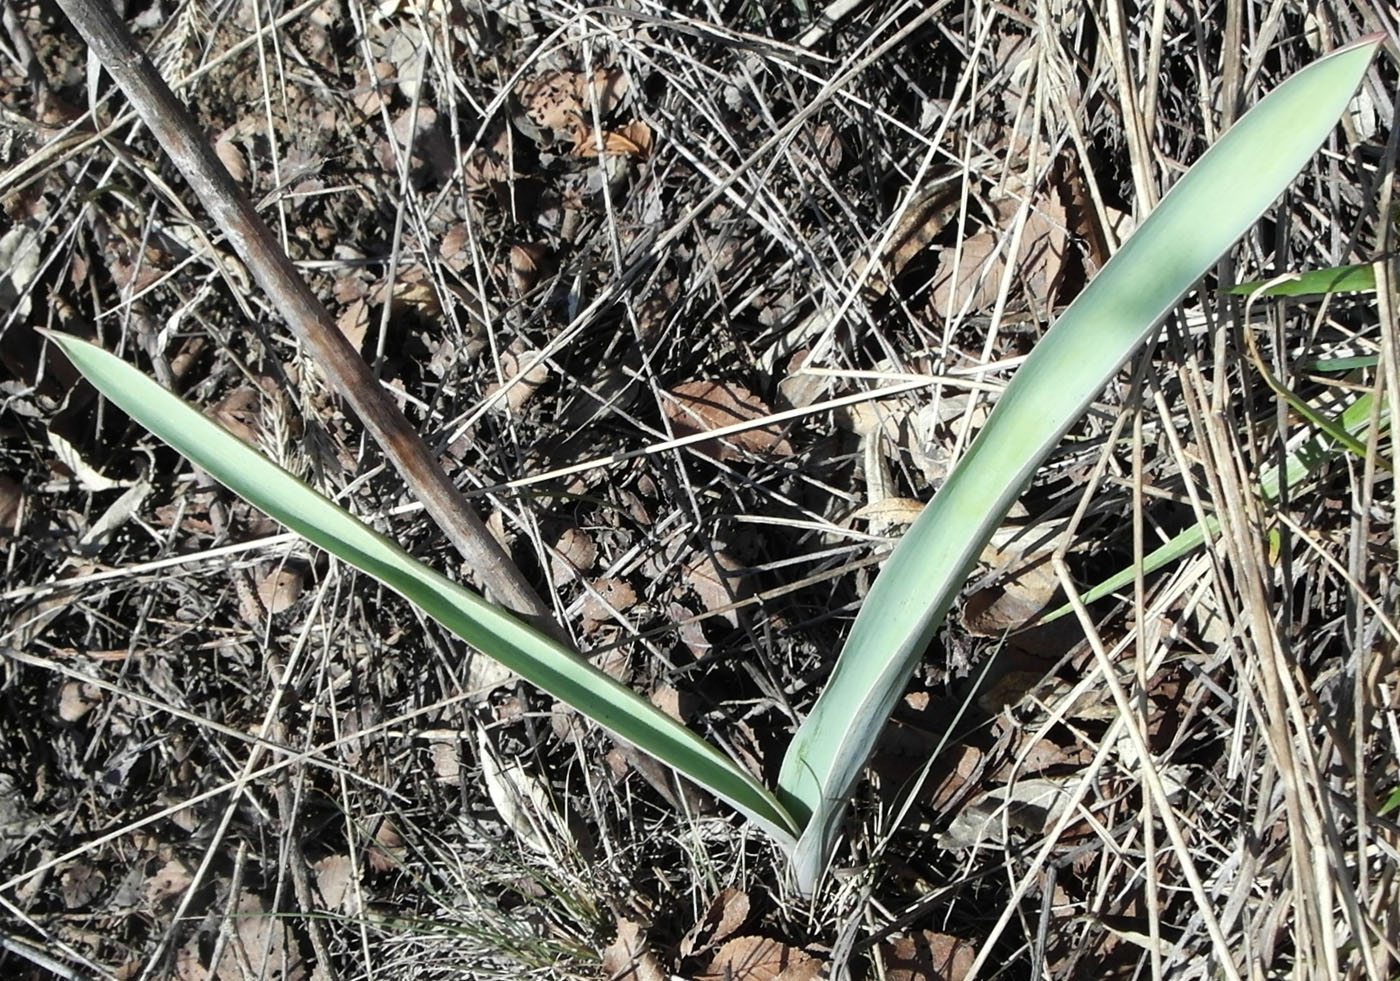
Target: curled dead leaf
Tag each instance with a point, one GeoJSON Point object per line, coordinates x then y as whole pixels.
{"type": "Point", "coordinates": [726, 913]}
{"type": "Point", "coordinates": [702, 406]}
{"type": "Point", "coordinates": [628, 958]}
{"type": "Point", "coordinates": [761, 959]}
{"type": "Point", "coordinates": [530, 262]}
{"type": "Point", "coordinates": [928, 956]}
{"type": "Point", "coordinates": [608, 595]}
{"type": "Point", "coordinates": [574, 554]}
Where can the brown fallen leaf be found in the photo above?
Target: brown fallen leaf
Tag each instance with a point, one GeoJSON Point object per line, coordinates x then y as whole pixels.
{"type": "Point", "coordinates": [631, 140]}
{"type": "Point", "coordinates": [628, 958]}
{"type": "Point", "coordinates": [574, 554]}
{"type": "Point", "coordinates": [726, 913]}
{"type": "Point", "coordinates": [257, 939]}
{"type": "Point", "coordinates": [760, 959]}
{"type": "Point", "coordinates": [701, 406]}
{"type": "Point", "coordinates": [711, 575]}
{"type": "Point", "coordinates": [969, 275]}
{"type": "Point", "coordinates": [607, 595]}
{"type": "Point", "coordinates": [923, 221]}
{"type": "Point", "coordinates": [928, 956]}
{"type": "Point", "coordinates": [530, 262]}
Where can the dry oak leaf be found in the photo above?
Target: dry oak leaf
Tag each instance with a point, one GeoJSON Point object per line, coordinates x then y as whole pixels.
{"type": "Point", "coordinates": [605, 596]}
{"type": "Point", "coordinates": [928, 956]}
{"type": "Point", "coordinates": [551, 99]}
{"type": "Point", "coordinates": [712, 576]}
{"type": "Point", "coordinates": [628, 959]}
{"type": "Point", "coordinates": [761, 959]}
{"type": "Point", "coordinates": [702, 406]}
{"type": "Point", "coordinates": [970, 274]}
{"type": "Point", "coordinates": [256, 938]}
{"type": "Point", "coordinates": [630, 140]}
{"type": "Point", "coordinates": [727, 913]}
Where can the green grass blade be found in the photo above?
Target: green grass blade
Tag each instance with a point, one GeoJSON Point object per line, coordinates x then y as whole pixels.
{"type": "Point", "coordinates": [1392, 802]}
{"type": "Point", "coordinates": [1218, 199]}
{"type": "Point", "coordinates": [1314, 282]}
{"type": "Point", "coordinates": [1354, 420]}
{"type": "Point", "coordinates": [531, 654]}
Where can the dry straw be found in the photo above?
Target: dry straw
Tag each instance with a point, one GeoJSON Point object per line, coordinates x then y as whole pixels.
{"type": "Point", "coordinates": [1209, 208]}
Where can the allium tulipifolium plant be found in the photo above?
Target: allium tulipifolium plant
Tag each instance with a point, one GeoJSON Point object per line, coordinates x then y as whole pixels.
{"type": "Point", "coordinates": [1210, 207]}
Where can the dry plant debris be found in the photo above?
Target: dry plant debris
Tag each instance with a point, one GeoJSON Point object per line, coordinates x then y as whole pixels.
{"type": "Point", "coordinates": [562, 237]}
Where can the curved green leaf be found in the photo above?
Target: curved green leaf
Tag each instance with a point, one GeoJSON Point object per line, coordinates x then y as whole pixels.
{"type": "Point", "coordinates": [1218, 199]}
{"type": "Point", "coordinates": [533, 655]}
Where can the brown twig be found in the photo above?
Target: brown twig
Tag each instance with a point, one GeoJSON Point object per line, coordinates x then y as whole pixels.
{"type": "Point", "coordinates": [233, 212]}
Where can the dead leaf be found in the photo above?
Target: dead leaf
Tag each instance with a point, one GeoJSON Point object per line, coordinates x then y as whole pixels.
{"type": "Point", "coordinates": [388, 851]}
{"type": "Point", "coordinates": [609, 86]}
{"type": "Point", "coordinates": [969, 275]}
{"type": "Point", "coordinates": [711, 575]}
{"type": "Point", "coordinates": [80, 885]}
{"type": "Point", "coordinates": [256, 938]}
{"type": "Point", "coordinates": [928, 956]}
{"type": "Point", "coordinates": [726, 913]}
{"type": "Point", "coordinates": [701, 406]}
{"type": "Point", "coordinates": [523, 802]}
{"type": "Point", "coordinates": [529, 263]}
{"type": "Point", "coordinates": [335, 883]}
{"type": "Point", "coordinates": [628, 959]}
{"type": "Point", "coordinates": [76, 699]}
{"type": "Point", "coordinates": [760, 959]}
{"type": "Point", "coordinates": [606, 596]}
{"type": "Point", "coordinates": [353, 322]}
{"type": "Point", "coordinates": [574, 554]}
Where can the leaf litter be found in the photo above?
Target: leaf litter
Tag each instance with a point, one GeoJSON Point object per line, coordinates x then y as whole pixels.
{"type": "Point", "coordinates": [554, 204]}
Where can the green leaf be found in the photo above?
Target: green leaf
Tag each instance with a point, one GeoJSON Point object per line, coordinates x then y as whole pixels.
{"type": "Point", "coordinates": [1301, 463]}
{"type": "Point", "coordinates": [533, 655]}
{"type": "Point", "coordinates": [1392, 802]}
{"type": "Point", "coordinates": [1315, 282]}
{"type": "Point", "coordinates": [1211, 206]}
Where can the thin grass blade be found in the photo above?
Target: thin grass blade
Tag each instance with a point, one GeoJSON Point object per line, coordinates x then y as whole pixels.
{"type": "Point", "coordinates": [1218, 199]}
{"type": "Point", "coordinates": [1314, 282]}
{"type": "Point", "coordinates": [533, 655]}
{"type": "Point", "coordinates": [1301, 463]}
